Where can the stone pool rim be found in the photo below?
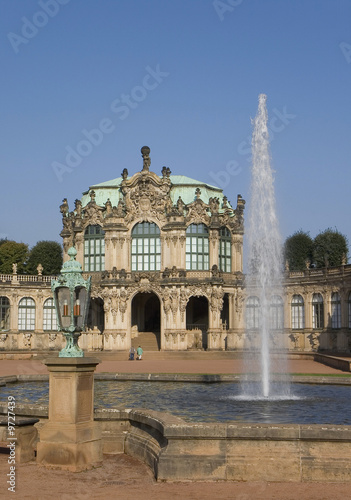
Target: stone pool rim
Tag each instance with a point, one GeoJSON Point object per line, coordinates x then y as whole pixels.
{"type": "Point", "coordinates": [176, 450]}
{"type": "Point", "coordinates": [183, 377]}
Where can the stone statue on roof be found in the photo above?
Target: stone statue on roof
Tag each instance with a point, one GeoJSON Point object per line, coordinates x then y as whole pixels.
{"type": "Point", "coordinates": [145, 153]}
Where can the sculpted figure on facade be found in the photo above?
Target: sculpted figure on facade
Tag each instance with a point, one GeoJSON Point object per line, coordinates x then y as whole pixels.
{"type": "Point", "coordinates": [78, 208]}
{"type": "Point", "coordinates": [180, 206]}
{"type": "Point", "coordinates": [183, 300]}
{"type": "Point", "coordinates": [120, 210]}
{"type": "Point", "coordinates": [216, 300]}
{"type": "Point", "coordinates": [64, 207]}
{"type": "Point", "coordinates": [145, 153]}
{"type": "Point", "coordinates": [123, 298]}
{"type": "Point", "coordinates": [108, 207]}
{"type": "Point", "coordinates": [239, 298]}
{"type": "Point", "coordinates": [214, 205]}
{"type": "Point", "coordinates": [166, 300]}
{"type": "Point", "coordinates": [174, 301]}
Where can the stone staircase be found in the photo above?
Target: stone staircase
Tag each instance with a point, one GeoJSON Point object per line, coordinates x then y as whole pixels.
{"type": "Point", "coordinates": [147, 340]}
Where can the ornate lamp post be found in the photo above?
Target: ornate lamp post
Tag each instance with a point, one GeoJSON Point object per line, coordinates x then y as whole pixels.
{"type": "Point", "coordinates": [71, 439]}
{"type": "Point", "coordinates": [71, 296]}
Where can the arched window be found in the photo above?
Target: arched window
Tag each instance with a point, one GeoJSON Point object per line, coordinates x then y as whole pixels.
{"type": "Point", "coordinates": [349, 308]}
{"type": "Point", "coordinates": [197, 248]}
{"type": "Point", "coordinates": [50, 319]}
{"type": "Point", "coordinates": [4, 313]}
{"type": "Point", "coordinates": [297, 313]}
{"type": "Point", "coordinates": [277, 313]}
{"type": "Point", "coordinates": [335, 310]}
{"type": "Point", "coordinates": [26, 314]}
{"type": "Point", "coordinates": [317, 311]}
{"type": "Point", "coordinates": [94, 248]}
{"type": "Point", "coordinates": [225, 250]}
{"type": "Point", "coordinates": [252, 313]}
{"type": "Point", "coordinates": [146, 247]}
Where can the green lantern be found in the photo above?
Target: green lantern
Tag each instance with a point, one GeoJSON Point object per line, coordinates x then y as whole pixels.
{"type": "Point", "coordinates": [71, 296]}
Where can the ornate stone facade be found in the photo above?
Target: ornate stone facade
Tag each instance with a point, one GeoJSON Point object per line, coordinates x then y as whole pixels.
{"type": "Point", "coordinates": [170, 204]}
{"type": "Point", "coordinates": [165, 253]}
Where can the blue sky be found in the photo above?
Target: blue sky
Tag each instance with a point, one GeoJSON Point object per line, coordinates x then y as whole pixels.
{"type": "Point", "coordinates": [182, 77]}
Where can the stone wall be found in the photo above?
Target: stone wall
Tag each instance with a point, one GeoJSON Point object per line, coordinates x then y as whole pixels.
{"type": "Point", "coordinates": [176, 450]}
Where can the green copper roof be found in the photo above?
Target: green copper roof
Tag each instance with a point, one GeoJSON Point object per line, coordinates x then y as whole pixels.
{"type": "Point", "coordinates": [182, 186]}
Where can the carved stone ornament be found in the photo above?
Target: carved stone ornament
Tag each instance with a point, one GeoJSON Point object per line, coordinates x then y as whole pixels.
{"type": "Point", "coordinates": [174, 301]}
{"type": "Point", "coordinates": [197, 213]}
{"type": "Point", "coordinates": [27, 339]}
{"type": "Point", "coordinates": [93, 214]}
{"type": "Point", "coordinates": [145, 194]}
{"type": "Point", "coordinates": [166, 301]}
{"type": "Point", "coordinates": [216, 301]}
{"type": "Point", "coordinates": [239, 298]}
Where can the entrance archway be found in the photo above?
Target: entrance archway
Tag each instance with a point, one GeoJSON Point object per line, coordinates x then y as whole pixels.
{"type": "Point", "coordinates": [197, 316]}
{"type": "Point", "coordinates": [146, 321]}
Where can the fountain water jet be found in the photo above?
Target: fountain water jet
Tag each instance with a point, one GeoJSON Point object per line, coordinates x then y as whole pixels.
{"type": "Point", "coordinates": [265, 274]}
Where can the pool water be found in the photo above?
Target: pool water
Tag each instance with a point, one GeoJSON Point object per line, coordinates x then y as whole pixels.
{"type": "Point", "coordinates": [210, 402]}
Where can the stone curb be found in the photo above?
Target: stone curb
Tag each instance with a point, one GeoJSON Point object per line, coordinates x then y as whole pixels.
{"type": "Point", "coordinates": [180, 377]}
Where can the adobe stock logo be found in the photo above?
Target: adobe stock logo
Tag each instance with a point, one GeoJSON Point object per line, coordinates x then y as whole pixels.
{"type": "Point", "coordinates": [276, 124]}
{"type": "Point", "coordinates": [346, 50]}
{"type": "Point", "coordinates": [121, 107]}
{"type": "Point", "coordinates": [30, 28]}
{"type": "Point", "coordinates": [223, 7]}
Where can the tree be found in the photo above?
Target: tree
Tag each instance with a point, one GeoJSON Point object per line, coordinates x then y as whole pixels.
{"type": "Point", "coordinates": [46, 253]}
{"type": "Point", "coordinates": [11, 253]}
{"type": "Point", "coordinates": [330, 248]}
{"type": "Point", "coordinates": [298, 250]}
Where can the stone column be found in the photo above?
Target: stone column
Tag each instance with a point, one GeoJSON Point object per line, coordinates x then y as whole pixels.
{"type": "Point", "coordinates": [71, 440]}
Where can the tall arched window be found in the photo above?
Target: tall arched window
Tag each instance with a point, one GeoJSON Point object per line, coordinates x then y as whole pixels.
{"type": "Point", "coordinates": [50, 319]}
{"type": "Point", "coordinates": [4, 313]}
{"type": "Point", "coordinates": [349, 309]}
{"type": "Point", "coordinates": [26, 314]}
{"type": "Point", "coordinates": [277, 313]}
{"type": "Point", "coordinates": [225, 250]}
{"type": "Point", "coordinates": [197, 248]}
{"type": "Point", "coordinates": [252, 313]}
{"type": "Point", "coordinates": [317, 311]}
{"type": "Point", "coordinates": [94, 248]}
{"type": "Point", "coordinates": [335, 310]}
{"type": "Point", "coordinates": [297, 313]}
{"type": "Point", "coordinates": [146, 247]}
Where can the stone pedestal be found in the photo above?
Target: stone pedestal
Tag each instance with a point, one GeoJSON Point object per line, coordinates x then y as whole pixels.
{"type": "Point", "coordinates": [71, 439]}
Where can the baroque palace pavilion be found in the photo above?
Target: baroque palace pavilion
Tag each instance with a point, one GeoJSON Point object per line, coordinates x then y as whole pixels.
{"type": "Point", "coordinates": [165, 253]}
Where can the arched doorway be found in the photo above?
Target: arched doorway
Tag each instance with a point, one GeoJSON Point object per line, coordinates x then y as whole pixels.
{"type": "Point", "coordinates": [146, 321]}
{"type": "Point", "coordinates": [197, 316]}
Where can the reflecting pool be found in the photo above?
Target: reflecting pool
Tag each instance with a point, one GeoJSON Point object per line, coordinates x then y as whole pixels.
{"type": "Point", "coordinates": [210, 402]}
